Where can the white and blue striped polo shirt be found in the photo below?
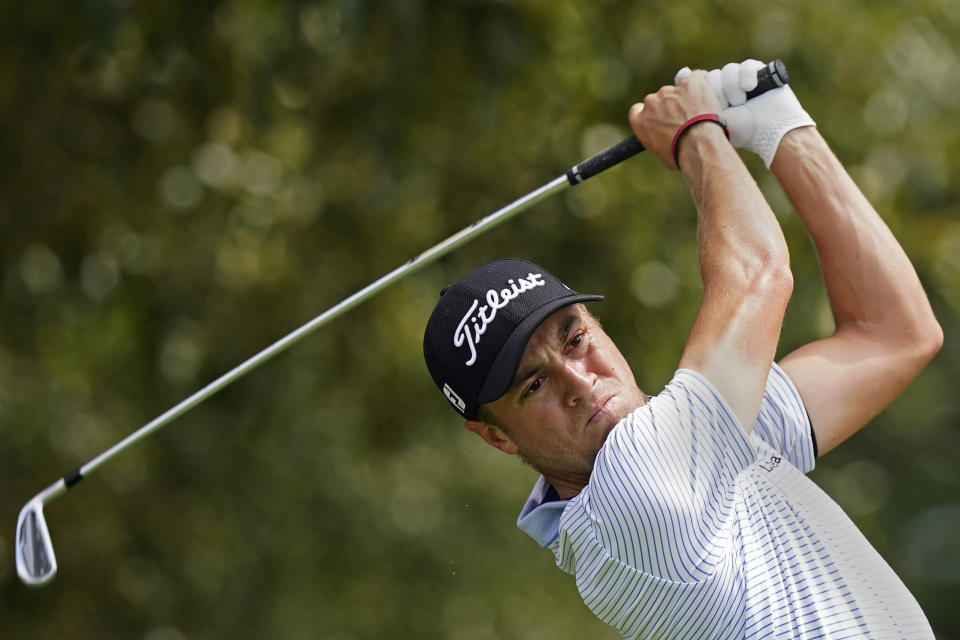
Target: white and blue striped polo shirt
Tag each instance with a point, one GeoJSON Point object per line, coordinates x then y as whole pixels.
{"type": "Point", "coordinates": [689, 528]}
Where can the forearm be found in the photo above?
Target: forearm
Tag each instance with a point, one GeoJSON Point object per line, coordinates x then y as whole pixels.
{"type": "Point", "coordinates": [743, 256]}
{"type": "Point", "coordinates": [870, 281]}
{"type": "Point", "coordinates": [738, 233]}
{"type": "Point", "coordinates": [746, 274]}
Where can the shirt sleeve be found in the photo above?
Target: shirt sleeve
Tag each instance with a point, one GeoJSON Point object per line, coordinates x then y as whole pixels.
{"type": "Point", "coordinates": [662, 490]}
{"type": "Point", "coordinates": [783, 422]}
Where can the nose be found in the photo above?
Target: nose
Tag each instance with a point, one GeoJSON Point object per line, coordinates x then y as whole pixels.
{"type": "Point", "coordinates": [578, 381]}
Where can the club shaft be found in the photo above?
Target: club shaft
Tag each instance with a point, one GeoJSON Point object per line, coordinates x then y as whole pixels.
{"type": "Point", "coordinates": [55, 490]}
{"type": "Point", "coordinates": [772, 76]}
{"type": "Point", "coordinates": [465, 235]}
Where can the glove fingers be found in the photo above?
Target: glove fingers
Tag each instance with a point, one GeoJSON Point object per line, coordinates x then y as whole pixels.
{"type": "Point", "coordinates": [716, 84]}
{"type": "Point", "coordinates": [730, 79]}
{"type": "Point", "coordinates": [748, 74]}
{"type": "Point", "coordinates": [758, 124]}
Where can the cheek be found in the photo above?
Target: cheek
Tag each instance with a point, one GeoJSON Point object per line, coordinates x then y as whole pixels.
{"type": "Point", "coordinates": [609, 356]}
{"type": "Point", "coordinates": [530, 422]}
{"type": "Point", "coordinates": [543, 424]}
{"type": "Point", "coordinates": [617, 364]}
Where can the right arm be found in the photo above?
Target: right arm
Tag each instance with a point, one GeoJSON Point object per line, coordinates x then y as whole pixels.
{"type": "Point", "coordinates": [744, 260]}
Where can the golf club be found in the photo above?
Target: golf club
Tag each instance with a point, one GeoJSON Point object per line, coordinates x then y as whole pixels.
{"type": "Point", "coordinates": [36, 562]}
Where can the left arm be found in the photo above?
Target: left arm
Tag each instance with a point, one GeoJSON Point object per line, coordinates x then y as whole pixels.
{"type": "Point", "coordinates": [885, 329]}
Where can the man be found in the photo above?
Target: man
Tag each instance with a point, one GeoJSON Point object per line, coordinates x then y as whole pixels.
{"type": "Point", "coordinates": [687, 514]}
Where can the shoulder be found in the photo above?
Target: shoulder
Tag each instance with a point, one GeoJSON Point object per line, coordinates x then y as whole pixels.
{"type": "Point", "coordinates": [687, 409]}
{"type": "Point", "coordinates": [783, 422]}
{"type": "Point", "coordinates": [656, 498]}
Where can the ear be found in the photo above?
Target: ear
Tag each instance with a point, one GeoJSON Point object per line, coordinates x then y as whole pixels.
{"type": "Point", "coordinates": [492, 435]}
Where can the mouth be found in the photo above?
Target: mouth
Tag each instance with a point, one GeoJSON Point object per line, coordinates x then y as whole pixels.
{"type": "Point", "coordinates": [601, 410]}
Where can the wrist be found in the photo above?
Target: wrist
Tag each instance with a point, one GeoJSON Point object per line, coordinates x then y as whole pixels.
{"type": "Point", "coordinates": [700, 145]}
{"type": "Point", "coordinates": [795, 145]}
{"type": "Point", "coordinates": [692, 124]}
{"type": "Point", "coordinates": [771, 135]}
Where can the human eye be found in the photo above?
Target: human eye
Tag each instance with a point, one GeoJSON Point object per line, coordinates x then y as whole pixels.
{"type": "Point", "coordinates": [533, 387]}
{"type": "Point", "coordinates": [577, 339]}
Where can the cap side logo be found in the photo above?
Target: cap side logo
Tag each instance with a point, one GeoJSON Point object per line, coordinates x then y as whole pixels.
{"type": "Point", "coordinates": [454, 399]}
{"type": "Point", "coordinates": [495, 300]}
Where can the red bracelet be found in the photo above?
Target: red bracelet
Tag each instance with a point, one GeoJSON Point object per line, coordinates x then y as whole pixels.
{"type": "Point", "coordinates": [705, 117]}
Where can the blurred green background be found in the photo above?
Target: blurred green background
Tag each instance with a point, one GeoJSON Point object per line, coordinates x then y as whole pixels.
{"type": "Point", "coordinates": [182, 183]}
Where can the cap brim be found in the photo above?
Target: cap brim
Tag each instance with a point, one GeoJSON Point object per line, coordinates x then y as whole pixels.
{"type": "Point", "coordinates": [504, 366]}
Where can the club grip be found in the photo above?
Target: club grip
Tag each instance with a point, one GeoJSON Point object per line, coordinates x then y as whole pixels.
{"type": "Point", "coordinates": [626, 148]}
{"type": "Point", "coordinates": [770, 77]}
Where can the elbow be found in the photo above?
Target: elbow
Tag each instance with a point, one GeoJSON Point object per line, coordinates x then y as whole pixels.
{"type": "Point", "coordinates": [770, 277]}
{"type": "Point", "coordinates": [782, 277]}
{"type": "Point", "coordinates": [765, 276]}
{"type": "Point", "coordinates": [921, 342]}
{"type": "Point", "coordinates": [930, 339]}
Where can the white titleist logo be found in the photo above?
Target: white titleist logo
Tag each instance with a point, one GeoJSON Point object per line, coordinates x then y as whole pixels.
{"type": "Point", "coordinates": [496, 300]}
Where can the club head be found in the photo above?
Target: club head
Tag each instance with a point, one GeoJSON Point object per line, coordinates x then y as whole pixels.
{"type": "Point", "coordinates": [36, 562]}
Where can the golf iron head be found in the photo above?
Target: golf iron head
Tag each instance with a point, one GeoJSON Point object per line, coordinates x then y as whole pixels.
{"type": "Point", "coordinates": [36, 562]}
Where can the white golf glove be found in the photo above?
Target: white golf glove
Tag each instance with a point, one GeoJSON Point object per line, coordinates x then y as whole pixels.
{"type": "Point", "coordinates": [757, 124]}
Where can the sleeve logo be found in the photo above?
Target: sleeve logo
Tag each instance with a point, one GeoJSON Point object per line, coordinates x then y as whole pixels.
{"type": "Point", "coordinates": [771, 464]}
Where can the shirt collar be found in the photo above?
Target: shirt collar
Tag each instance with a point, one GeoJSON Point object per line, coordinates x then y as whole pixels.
{"type": "Point", "coordinates": [541, 520]}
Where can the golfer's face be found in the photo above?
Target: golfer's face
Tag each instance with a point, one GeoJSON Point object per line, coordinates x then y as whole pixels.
{"type": "Point", "coordinates": [571, 388]}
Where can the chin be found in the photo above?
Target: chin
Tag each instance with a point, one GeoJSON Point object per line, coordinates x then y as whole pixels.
{"type": "Point", "coordinates": [623, 410]}
{"type": "Point", "coordinates": [629, 404]}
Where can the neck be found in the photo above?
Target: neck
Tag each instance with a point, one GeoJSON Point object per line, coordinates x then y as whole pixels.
{"type": "Point", "coordinates": [566, 487]}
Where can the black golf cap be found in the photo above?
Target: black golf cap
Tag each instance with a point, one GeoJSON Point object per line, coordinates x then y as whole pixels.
{"type": "Point", "coordinates": [479, 329]}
